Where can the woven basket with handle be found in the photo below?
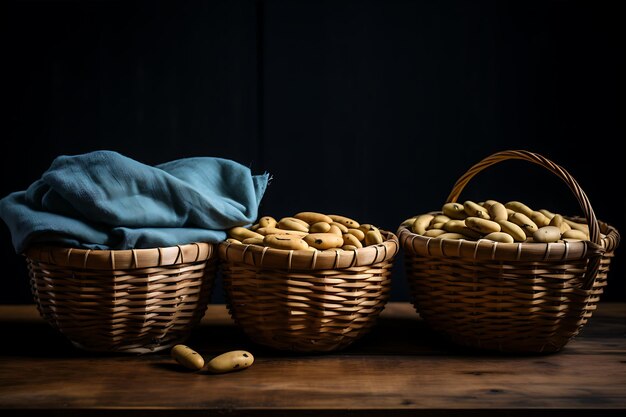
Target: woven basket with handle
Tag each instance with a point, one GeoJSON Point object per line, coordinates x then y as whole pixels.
{"type": "Point", "coordinates": [306, 301]}
{"type": "Point", "coordinates": [510, 297]}
{"type": "Point", "coordinates": [136, 301]}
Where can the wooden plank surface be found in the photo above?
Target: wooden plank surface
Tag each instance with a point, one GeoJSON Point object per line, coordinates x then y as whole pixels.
{"type": "Point", "coordinates": [400, 367]}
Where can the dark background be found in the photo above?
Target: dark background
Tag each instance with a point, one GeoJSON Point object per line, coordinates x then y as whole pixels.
{"type": "Point", "coordinates": [371, 109]}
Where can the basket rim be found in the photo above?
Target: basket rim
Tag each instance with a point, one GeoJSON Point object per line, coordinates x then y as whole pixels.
{"type": "Point", "coordinates": [484, 249]}
{"type": "Point", "coordinates": [260, 256]}
{"type": "Point", "coordinates": [110, 259]}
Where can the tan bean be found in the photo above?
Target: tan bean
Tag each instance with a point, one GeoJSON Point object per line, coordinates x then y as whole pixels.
{"type": "Point", "coordinates": [558, 221]}
{"type": "Point", "coordinates": [454, 211]}
{"type": "Point", "coordinates": [265, 231]}
{"type": "Point", "coordinates": [577, 226]}
{"type": "Point", "coordinates": [291, 223]}
{"type": "Point", "coordinates": [335, 230]}
{"type": "Point", "coordinates": [453, 225]}
{"type": "Point", "coordinates": [267, 221]}
{"type": "Point", "coordinates": [346, 221]}
{"type": "Point", "coordinates": [499, 237]}
{"type": "Point", "coordinates": [287, 242]}
{"type": "Point", "coordinates": [349, 247]}
{"type": "Point", "coordinates": [547, 213]}
{"type": "Point", "coordinates": [437, 225]}
{"type": "Point", "coordinates": [519, 207]}
{"type": "Point", "coordinates": [547, 234]}
{"type": "Point", "coordinates": [575, 234]}
{"type": "Point", "coordinates": [470, 234]}
{"type": "Point", "coordinates": [373, 237]}
{"type": "Point", "coordinates": [311, 217]}
{"type": "Point", "coordinates": [528, 226]}
{"type": "Point", "coordinates": [439, 218]}
{"type": "Point", "coordinates": [358, 233]}
{"type": "Point", "coordinates": [452, 236]}
{"type": "Point", "coordinates": [488, 203]}
{"type": "Point", "coordinates": [421, 223]}
{"type": "Point", "coordinates": [187, 357]}
{"type": "Point", "coordinates": [241, 233]}
{"type": "Point", "coordinates": [350, 239]}
{"type": "Point", "coordinates": [236, 360]}
{"type": "Point", "coordinates": [516, 232]}
{"type": "Point", "coordinates": [324, 240]}
{"type": "Point", "coordinates": [475, 210]}
{"type": "Point", "coordinates": [367, 227]}
{"type": "Point", "coordinates": [458, 226]}
{"type": "Point", "coordinates": [253, 241]}
{"type": "Point", "coordinates": [565, 227]}
{"type": "Point", "coordinates": [540, 219]}
{"type": "Point", "coordinates": [482, 225]}
{"type": "Point", "coordinates": [434, 232]}
{"type": "Point", "coordinates": [497, 211]}
{"type": "Point", "coordinates": [341, 227]}
{"type": "Point", "coordinates": [319, 227]}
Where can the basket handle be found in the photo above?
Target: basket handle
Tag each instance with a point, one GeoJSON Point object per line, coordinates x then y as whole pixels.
{"type": "Point", "coordinates": [585, 205]}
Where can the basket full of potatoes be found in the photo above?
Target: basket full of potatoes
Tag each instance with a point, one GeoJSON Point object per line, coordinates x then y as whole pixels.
{"type": "Point", "coordinates": [507, 276]}
{"type": "Point", "coordinates": [310, 282]}
{"type": "Point", "coordinates": [511, 222]}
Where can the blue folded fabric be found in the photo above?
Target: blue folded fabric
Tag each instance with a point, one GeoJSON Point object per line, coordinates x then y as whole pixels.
{"type": "Point", "coordinates": [104, 200]}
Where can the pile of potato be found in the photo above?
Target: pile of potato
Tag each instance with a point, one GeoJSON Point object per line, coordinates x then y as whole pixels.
{"type": "Point", "coordinates": [492, 220]}
{"type": "Point", "coordinates": [308, 230]}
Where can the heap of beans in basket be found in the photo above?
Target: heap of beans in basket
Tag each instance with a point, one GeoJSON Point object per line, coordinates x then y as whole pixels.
{"type": "Point", "coordinates": [308, 230]}
{"type": "Point", "coordinates": [492, 220]}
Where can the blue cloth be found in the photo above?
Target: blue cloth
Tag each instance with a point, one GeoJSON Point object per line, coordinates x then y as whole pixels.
{"type": "Point", "coordinates": [104, 200]}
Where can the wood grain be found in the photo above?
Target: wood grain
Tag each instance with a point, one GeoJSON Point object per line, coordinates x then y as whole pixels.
{"type": "Point", "coordinates": [400, 367]}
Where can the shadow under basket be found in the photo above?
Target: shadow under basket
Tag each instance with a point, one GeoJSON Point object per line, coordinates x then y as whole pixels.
{"type": "Point", "coordinates": [134, 301]}
{"type": "Point", "coordinates": [509, 297]}
{"type": "Point", "coordinates": [306, 301]}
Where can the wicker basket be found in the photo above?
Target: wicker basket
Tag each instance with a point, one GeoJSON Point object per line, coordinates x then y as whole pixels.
{"type": "Point", "coordinates": [136, 301]}
{"type": "Point", "coordinates": [306, 301]}
{"type": "Point", "coordinates": [509, 297]}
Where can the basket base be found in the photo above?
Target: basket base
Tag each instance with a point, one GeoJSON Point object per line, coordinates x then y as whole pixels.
{"type": "Point", "coordinates": [140, 310]}
{"type": "Point", "coordinates": [306, 311]}
{"type": "Point", "coordinates": [318, 340]}
{"type": "Point", "coordinates": [525, 308]}
{"type": "Point", "coordinates": [505, 347]}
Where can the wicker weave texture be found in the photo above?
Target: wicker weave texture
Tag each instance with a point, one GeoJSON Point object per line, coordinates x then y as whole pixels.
{"type": "Point", "coordinates": [136, 310]}
{"type": "Point", "coordinates": [509, 297]}
{"type": "Point", "coordinates": [307, 310]}
{"type": "Point", "coordinates": [512, 307]}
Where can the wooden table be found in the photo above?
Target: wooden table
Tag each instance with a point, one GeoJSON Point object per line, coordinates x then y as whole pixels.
{"type": "Point", "coordinates": [400, 368]}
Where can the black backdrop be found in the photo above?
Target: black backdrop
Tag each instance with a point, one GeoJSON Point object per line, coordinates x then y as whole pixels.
{"type": "Point", "coordinates": [370, 109]}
